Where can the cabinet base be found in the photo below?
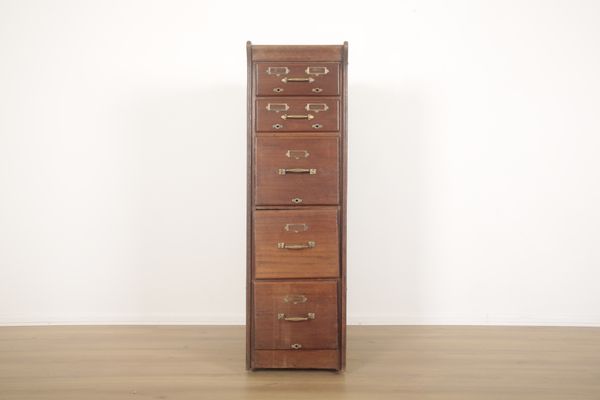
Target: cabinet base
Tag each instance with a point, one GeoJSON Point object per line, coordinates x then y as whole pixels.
{"type": "Point", "coordinates": [300, 359]}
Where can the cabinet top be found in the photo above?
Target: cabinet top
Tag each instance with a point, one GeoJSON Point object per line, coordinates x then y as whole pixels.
{"type": "Point", "coordinates": [333, 53]}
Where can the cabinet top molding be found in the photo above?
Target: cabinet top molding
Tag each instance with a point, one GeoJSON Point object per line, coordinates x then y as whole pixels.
{"type": "Point", "coordinates": [334, 53]}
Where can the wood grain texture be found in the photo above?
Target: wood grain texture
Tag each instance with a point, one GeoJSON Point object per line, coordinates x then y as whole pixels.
{"type": "Point", "coordinates": [318, 297]}
{"type": "Point", "coordinates": [328, 120]}
{"type": "Point", "coordinates": [384, 362]}
{"type": "Point", "coordinates": [322, 261]}
{"type": "Point", "coordinates": [310, 117]}
{"type": "Point", "coordinates": [318, 189]}
{"type": "Point", "coordinates": [302, 53]}
{"type": "Point", "coordinates": [249, 201]}
{"type": "Point", "coordinates": [271, 84]}
{"type": "Point", "coordinates": [344, 204]}
{"type": "Point", "coordinates": [309, 359]}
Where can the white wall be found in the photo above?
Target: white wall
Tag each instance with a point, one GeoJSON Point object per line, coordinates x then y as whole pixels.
{"type": "Point", "coordinates": [474, 158]}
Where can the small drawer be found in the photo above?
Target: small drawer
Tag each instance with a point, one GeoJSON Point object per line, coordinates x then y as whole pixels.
{"type": "Point", "coordinates": [296, 244]}
{"type": "Point", "coordinates": [295, 315]}
{"type": "Point", "coordinates": [297, 115]}
{"type": "Point", "coordinates": [304, 79]}
{"type": "Point", "coordinates": [297, 171]}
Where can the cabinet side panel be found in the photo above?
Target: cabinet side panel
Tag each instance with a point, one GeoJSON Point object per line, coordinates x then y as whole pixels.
{"type": "Point", "coordinates": [249, 207]}
{"type": "Point", "coordinates": [344, 191]}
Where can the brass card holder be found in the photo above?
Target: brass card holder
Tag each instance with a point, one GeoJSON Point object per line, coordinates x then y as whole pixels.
{"type": "Point", "coordinates": [295, 228]}
{"type": "Point", "coordinates": [297, 154]}
{"type": "Point", "coordinates": [278, 71]}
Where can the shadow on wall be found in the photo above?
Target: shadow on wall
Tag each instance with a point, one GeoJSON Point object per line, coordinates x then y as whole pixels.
{"type": "Point", "coordinates": [385, 203]}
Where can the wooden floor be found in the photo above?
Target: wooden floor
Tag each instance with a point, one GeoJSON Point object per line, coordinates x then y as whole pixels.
{"type": "Point", "coordinates": [201, 362]}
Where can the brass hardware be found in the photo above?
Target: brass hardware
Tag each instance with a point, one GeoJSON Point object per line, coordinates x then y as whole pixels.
{"type": "Point", "coordinates": [297, 246]}
{"type": "Point", "coordinates": [296, 228]}
{"type": "Point", "coordinates": [296, 346]}
{"type": "Point", "coordinates": [289, 80]}
{"type": "Point", "coordinates": [278, 90]}
{"type": "Point", "coordinates": [277, 107]}
{"type": "Point", "coordinates": [285, 171]}
{"type": "Point", "coordinates": [297, 154]}
{"type": "Point", "coordinates": [277, 71]}
{"type": "Point", "coordinates": [316, 107]}
{"type": "Point", "coordinates": [288, 116]}
{"type": "Point", "coordinates": [296, 200]}
{"type": "Point", "coordinates": [314, 90]}
{"type": "Point", "coordinates": [317, 71]}
{"type": "Point", "coordinates": [277, 126]}
{"type": "Point", "coordinates": [310, 315]}
{"type": "Point", "coordinates": [317, 126]}
{"type": "Point", "coordinates": [295, 298]}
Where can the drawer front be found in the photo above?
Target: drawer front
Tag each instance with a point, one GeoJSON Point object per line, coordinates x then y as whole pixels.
{"type": "Point", "coordinates": [297, 115]}
{"type": "Point", "coordinates": [307, 359]}
{"type": "Point", "coordinates": [296, 244]}
{"type": "Point", "coordinates": [308, 79]}
{"type": "Point", "coordinates": [297, 171]}
{"type": "Point", "coordinates": [296, 315]}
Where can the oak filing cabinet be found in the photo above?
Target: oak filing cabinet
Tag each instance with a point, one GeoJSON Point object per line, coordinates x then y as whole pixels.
{"type": "Point", "coordinates": [296, 238]}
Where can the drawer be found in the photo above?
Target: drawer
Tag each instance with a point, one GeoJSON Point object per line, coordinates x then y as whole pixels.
{"type": "Point", "coordinates": [295, 315]}
{"type": "Point", "coordinates": [306, 79]}
{"type": "Point", "coordinates": [296, 243]}
{"type": "Point", "coordinates": [297, 115]}
{"type": "Point", "coordinates": [297, 171]}
{"type": "Point", "coordinates": [307, 359]}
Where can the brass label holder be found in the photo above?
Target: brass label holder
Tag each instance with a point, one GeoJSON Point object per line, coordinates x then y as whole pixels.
{"type": "Point", "coordinates": [295, 298]}
{"type": "Point", "coordinates": [295, 228]}
{"type": "Point", "coordinates": [277, 107]}
{"type": "Point", "coordinates": [278, 71]}
{"type": "Point", "coordinates": [317, 71]}
{"type": "Point", "coordinates": [316, 107]}
{"type": "Point", "coordinates": [297, 154]}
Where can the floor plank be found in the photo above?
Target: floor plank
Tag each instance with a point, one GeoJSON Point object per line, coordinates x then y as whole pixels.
{"type": "Point", "coordinates": [384, 362]}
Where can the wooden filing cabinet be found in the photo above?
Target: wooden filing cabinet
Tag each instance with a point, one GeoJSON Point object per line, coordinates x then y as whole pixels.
{"type": "Point", "coordinates": [296, 237]}
{"type": "Point", "coordinates": [296, 216]}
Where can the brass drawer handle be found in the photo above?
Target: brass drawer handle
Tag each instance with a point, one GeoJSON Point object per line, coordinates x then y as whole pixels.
{"type": "Point", "coordinates": [297, 246]}
{"type": "Point", "coordinates": [282, 316]}
{"type": "Point", "coordinates": [285, 171]}
{"type": "Point", "coordinates": [289, 116]}
{"type": "Point", "coordinates": [296, 346]}
{"type": "Point", "coordinates": [290, 80]}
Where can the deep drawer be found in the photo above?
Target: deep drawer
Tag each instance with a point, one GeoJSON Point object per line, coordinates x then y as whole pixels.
{"type": "Point", "coordinates": [295, 315]}
{"type": "Point", "coordinates": [297, 171]}
{"type": "Point", "coordinates": [296, 244]}
{"type": "Point", "coordinates": [286, 79]}
{"type": "Point", "coordinates": [297, 115]}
